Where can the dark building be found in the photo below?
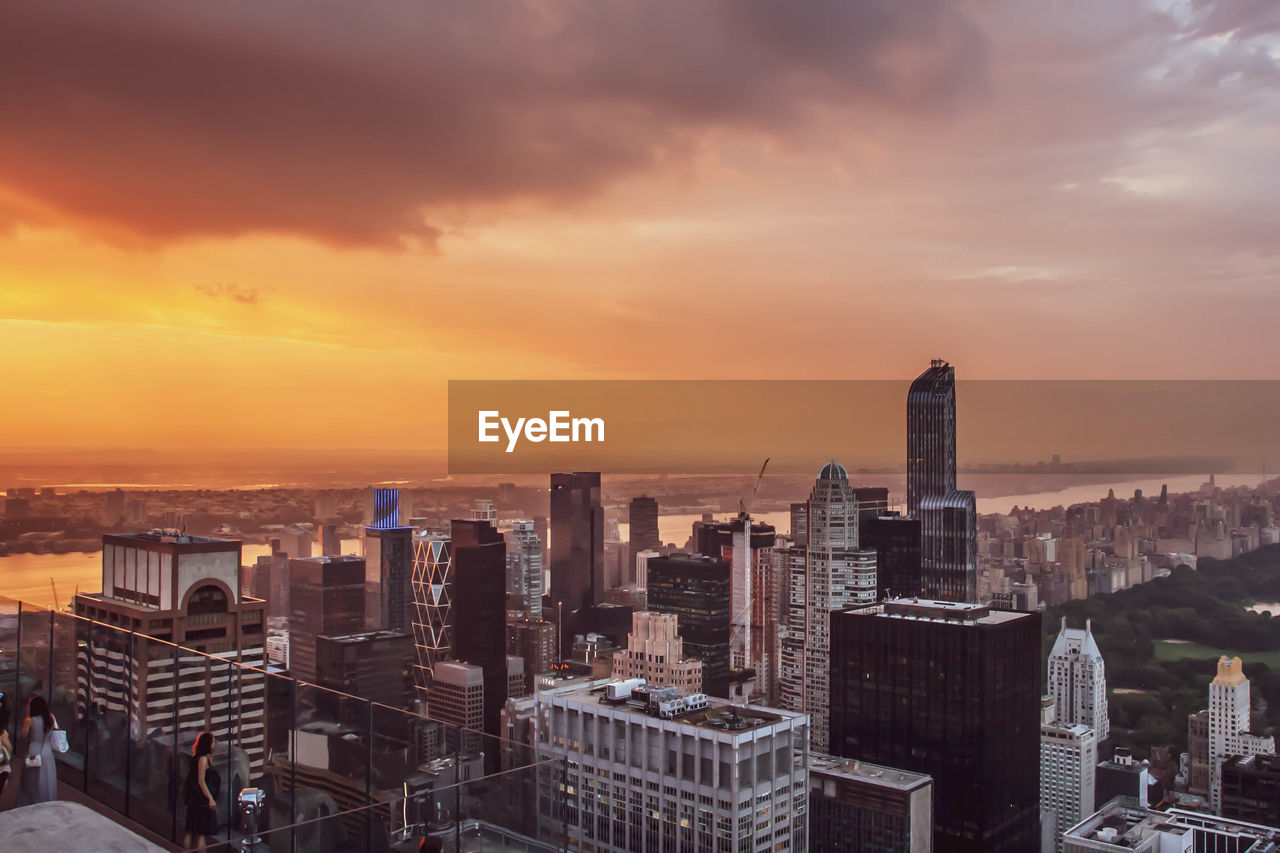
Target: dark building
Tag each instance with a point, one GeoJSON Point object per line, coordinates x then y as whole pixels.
{"type": "Point", "coordinates": [479, 609]}
{"type": "Point", "coordinates": [534, 640]}
{"type": "Point", "coordinates": [326, 596]}
{"type": "Point", "coordinates": [270, 582]}
{"type": "Point", "coordinates": [855, 806]}
{"type": "Point", "coordinates": [715, 538]}
{"type": "Point", "coordinates": [949, 546]}
{"type": "Point", "coordinates": [577, 545]}
{"type": "Point", "coordinates": [873, 501]}
{"type": "Point", "coordinates": [642, 516]}
{"type": "Point", "coordinates": [931, 434]}
{"type": "Point", "coordinates": [696, 589]}
{"type": "Point", "coordinates": [951, 690]}
{"type": "Point", "coordinates": [377, 665]}
{"type": "Point", "coordinates": [896, 541]}
{"type": "Point", "coordinates": [1251, 789]}
{"type": "Point", "coordinates": [388, 554]}
{"type": "Point", "coordinates": [1122, 776]}
{"type": "Point", "coordinates": [800, 523]}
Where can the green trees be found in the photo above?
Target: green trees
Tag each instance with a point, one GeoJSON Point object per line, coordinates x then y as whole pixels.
{"type": "Point", "coordinates": [1204, 607]}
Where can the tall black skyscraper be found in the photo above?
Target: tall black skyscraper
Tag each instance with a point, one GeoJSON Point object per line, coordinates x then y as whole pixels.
{"type": "Point", "coordinates": [931, 434]}
{"type": "Point", "coordinates": [896, 540]}
{"type": "Point", "coordinates": [479, 609]}
{"type": "Point", "coordinates": [388, 557]}
{"type": "Point", "coordinates": [577, 541]}
{"type": "Point", "coordinates": [642, 517]}
{"type": "Point", "coordinates": [326, 596]}
{"type": "Point", "coordinates": [949, 546]}
{"type": "Point", "coordinates": [952, 690]}
{"type": "Point", "coordinates": [697, 590]}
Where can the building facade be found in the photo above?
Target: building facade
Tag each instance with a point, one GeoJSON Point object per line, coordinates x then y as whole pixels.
{"type": "Point", "coordinates": [577, 541]}
{"type": "Point", "coordinates": [931, 435]}
{"type": "Point", "coordinates": [951, 690]}
{"type": "Point", "coordinates": [642, 519]}
{"type": "Point", "coordinates": [524, 569]}
{"type": "Point", "coordinates": [724, 778]}
{"type": "Point", "coordinates": [432, 606]}
{"type": "Point", "coordinates": [326, 596]}
{"type": "Point", "coordinates": [1077, 680]}
{"type": "Point", "coordinates": [1068, 767]}
{"type": "Point", "coordinates": [182, 590]}
{"type": "Point", "coordinates": [855, 806]}
{"type": "Point", "coordinates": [837, 574]}
{"type": "Point", "coordinates": [655, 652]}
{"type": "Point", "coordinates": [1229, 724]}
{"type": "Point", "coordinates": [949, 546]}
{"type": "Point", "coordinates": [696, 590]}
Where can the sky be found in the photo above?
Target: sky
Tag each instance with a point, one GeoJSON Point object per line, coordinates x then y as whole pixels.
{"type": "Point", "coordinates": [244, 225]}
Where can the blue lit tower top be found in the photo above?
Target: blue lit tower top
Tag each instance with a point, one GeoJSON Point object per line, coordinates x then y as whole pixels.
{"type": "Point", "coordinates": [386, 509]}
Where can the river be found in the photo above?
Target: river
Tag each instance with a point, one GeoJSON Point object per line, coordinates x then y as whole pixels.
{"type": "Point", "coordinates": [27, 576]}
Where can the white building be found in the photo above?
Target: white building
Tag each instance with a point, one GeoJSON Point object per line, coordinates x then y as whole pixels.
{"type": "Point", "coordinates": [837, 575]}
{"type": "Point", "coordinates": [524, 567]}
{"type": "Point", "coordinates": [1229, 735]}
{"type": "Point", "coordinates": [1125, 827]}
{"type": "Point", "coordinates": [655, 653]}
{"type": "Point", "coordinates": [642, 567]}
{"type": "Point", "coordinates": [724, 778]}
{"type": "Point", "coordinates": [1068, 772]}
{"type": "Point", "coordinates": [1077, 680]}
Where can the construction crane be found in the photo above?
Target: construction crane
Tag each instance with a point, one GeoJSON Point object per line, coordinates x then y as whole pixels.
{"type": "Point", "coordinates": [741, 567]}
{"type": "Point", "coordinates": [744, 510]}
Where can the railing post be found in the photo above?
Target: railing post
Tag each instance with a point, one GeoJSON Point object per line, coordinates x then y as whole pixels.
{"type": "Point", "coordinates": [368, 779]}
{"type": "Point", "coordinates": [130, 662]}
{"type": "Point", "coordinates": [173, 751]}
{"type": "Point", "coordinates": [88, 694]}
{"type": "Point", "coordinates": [17, 681]}
{"type": "Point", "coordinates": [231, 731]}
{"type": "Point", "coordinates": [293, 766]}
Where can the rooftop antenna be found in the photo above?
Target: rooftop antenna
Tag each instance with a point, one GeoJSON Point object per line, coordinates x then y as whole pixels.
{"type": "Point", "coordinates": [56, 605]}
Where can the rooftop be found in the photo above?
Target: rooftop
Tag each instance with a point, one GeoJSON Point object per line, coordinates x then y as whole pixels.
{"type": "Point", "coordinates": [363, 637]}
{"type": "Point", "coordinates": [719, 715]}
{"type": "Point", "coordinates": [874, 774]}
{"type": "Point", "coordinates": [929, 610]}
{"type": "Point", "coordinates": [61, 825]}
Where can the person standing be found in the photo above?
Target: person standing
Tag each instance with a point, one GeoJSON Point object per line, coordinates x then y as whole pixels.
{"type": "Point", "coordinates": [6, 745]}
{"type": "Point", "coordinates": [38, 782]}
{"type": "Point", "coordinates": [202, 781]}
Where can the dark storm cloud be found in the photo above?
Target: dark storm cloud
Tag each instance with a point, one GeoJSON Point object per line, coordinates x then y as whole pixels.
{"type": "Point", "coordinates": [345, 122]}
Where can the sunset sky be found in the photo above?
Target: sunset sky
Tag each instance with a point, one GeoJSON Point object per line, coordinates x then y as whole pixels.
{"type": "Point", "coordinates": [244, 224]}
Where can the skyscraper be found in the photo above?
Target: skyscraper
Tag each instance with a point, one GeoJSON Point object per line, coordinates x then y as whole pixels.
{"type": "Point", "coordinates": [655, 652]}
{"type": "Point", "coordinates": [896, 541]}
{"type": "Point", "coordinates": [1229, 724]}
{"type": "Point", "coordinates": [697, 590]}
{"type": "Point", "coordinates": [642, 518]}
{"type": "Point", "coordinates": [949, 546]}
{"type": "Point", "coordinates": [1077, 680]}
{"type": "Point", "coordinates": [479, 611]}
{"type": "Point", "coordinates": [725, 778]}
{"type": "Point", "coordinates": [577, 545]}
{"type": "Point", "coordinates": [931, 434]}
{"type": "Point", "coordinates": [837, 574]}
{"type": "Point", "coordinates": [432, 606]}
{"type": "Point", "coordinates": [754, 631]}
{"type": "Point", "coordinates": [326, 596]}
{"type": "Point", "coordinates": [952, 690]}
{"type": "Point", "coordinates": [182, 590]}
{"type": "Point", "coordinates": [1068, 774]}
{"type": "Point", "coordinates": [524, 569]}
{"type": "Point", "coordinates": [388, 557]}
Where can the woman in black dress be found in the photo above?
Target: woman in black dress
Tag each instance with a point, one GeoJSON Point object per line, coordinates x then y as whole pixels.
{"type": "Point", "coordinates": [202, 782]}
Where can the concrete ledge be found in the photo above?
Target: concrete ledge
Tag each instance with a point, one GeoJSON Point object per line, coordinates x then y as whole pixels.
{"type": "Point", "coordinates": [59, 825]}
